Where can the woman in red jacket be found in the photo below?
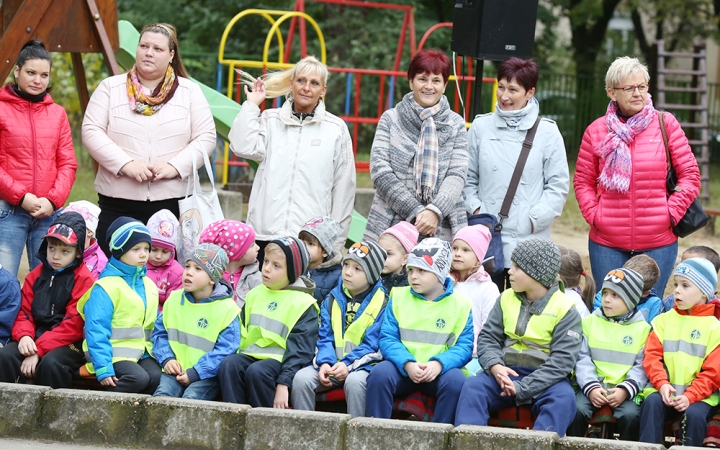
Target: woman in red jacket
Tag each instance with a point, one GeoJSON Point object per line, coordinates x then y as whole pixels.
{"type": "Point", "coordinates": [620, 177]}
{"type": "Point", "coordinates": [37, 158]}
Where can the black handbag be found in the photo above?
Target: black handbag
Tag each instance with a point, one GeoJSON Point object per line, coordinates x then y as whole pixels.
{"type": "Point", "coordinates": [695, 216]}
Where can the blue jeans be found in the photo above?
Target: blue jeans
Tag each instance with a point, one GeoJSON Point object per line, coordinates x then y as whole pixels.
{"type": "Point", "coordinates": [18, 230]}
{"type": "Point", "coordinates": [207, 389]}
{"type": "Point", "coordinates": [603, 259]}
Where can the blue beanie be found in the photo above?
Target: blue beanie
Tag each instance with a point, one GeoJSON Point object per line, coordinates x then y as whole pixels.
{"type": "Point", "coordinates": [700, 272]}
{"type": "Point", "coordinates": [125, 233]}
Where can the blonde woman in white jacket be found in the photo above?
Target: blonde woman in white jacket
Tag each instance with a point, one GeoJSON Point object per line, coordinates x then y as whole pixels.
{"type": "Point", "coordinates": [306, 163]}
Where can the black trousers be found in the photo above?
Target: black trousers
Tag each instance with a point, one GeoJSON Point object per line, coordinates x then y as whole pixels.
{"type": "Point", "coordinates": [55, 369]}
{"type": "Point", "coordinates": [112, 208]}
{"type": "Point", "coordinates": [140, 377]}
{"type": "Point", "coordinates": [250, 381]}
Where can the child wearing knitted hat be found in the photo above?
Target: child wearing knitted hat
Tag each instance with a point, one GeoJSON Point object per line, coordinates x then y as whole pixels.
{"type": "Point", "coordinates": [609, 368]}
{"type": "Point", "coordinates": [528, 346]}
{"type": "Point", "coordinates": [397, 241]}
{"type": "Point", "coordinates": [93, 256]}
{"type": "Point", "coordinates": [319, 235]}
{"type": "Point", "coordinates": [238, 241]}
{"type": "Point", "coordinates": [205, 328]}
{"type": "Point", "coordinates": [124, 299]}
{"type": "Point", "coordinates": [162, 267]}
{"type": "Point", "coordinates": [471, 280]}
{"type": "Point", "coordinates": [425, 337]}
{"type": "Point", "coordinates": [682, 358]}
{"type": "Point", "coordinates": [350, 321]}
{"type": "Point", "coordinates": [280, 320]}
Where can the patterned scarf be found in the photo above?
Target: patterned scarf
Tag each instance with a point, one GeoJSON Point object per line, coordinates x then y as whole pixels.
{"type": "Point", "coordinates": [514, 117]}
{"type": "Point", "coordinates": [615, 149]}
{"type": "Point", "coordinates": [147, 105]}
{"type": "Point", "coordinates": [426, 156]}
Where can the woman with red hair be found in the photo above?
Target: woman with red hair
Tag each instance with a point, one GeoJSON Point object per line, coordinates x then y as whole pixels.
{"type": "Point", "coordinates": [495, 140]}
{"type": "Point", "coordinates": [419, 156]}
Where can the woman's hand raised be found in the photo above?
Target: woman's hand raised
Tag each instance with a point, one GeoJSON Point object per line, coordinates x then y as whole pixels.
{"type": "Point", "coordinates": [257, 95]}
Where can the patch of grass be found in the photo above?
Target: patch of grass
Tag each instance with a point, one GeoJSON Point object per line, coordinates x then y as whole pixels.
{"type": "Point", "coordinates": [84, 186]}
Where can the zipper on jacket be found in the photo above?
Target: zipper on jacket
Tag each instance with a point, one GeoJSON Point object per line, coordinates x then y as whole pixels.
{"type": "Point", "coordinates": [52, 309]}
{"type": "Point", "coordinates": [292, 180]}
{"type": "Point", "coordinates": [520, 322]}
{"type": "Point", "coordinates": [34, 144]}
{"type": "Point", "coordinates": [51, 280]}
{"type": "Point", "coordinates": [149, 158]}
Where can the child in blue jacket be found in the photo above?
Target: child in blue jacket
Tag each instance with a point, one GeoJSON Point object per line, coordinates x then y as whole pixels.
{"type": "Point", "coordinates": [9, 304]}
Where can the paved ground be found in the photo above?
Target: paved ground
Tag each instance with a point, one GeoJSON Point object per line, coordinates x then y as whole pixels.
{"type": "Point", "coordinates": [18, 444]}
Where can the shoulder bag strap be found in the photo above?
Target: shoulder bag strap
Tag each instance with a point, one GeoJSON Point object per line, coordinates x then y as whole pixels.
{"type": "Point", "coordinates": [661, 117]}
{"type": "Point", "coordinates": [515, 180]}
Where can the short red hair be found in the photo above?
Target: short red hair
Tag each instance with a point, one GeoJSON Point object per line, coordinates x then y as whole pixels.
{"type": "Point", "coordinates": [431, 61]}
{"type": "Point", "coordinates": [524, 72]}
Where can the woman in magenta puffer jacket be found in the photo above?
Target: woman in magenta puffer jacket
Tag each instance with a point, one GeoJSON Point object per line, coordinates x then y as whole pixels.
{"type": "Point", "coordinates": [37, 158]}
{"type": "Point", "coordinates": [620, 177]}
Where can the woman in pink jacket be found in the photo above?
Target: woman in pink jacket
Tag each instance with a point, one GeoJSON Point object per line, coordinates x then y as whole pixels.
{"type": "Point", "coordinates": [620, 177]}
{"type": "Point", "coordinates": [37, 158]}
{"type": "Point", "coordinates": [143, 128]}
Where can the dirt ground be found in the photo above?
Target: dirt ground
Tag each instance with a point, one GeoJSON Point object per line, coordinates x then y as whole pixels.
{"type": "Point", "coordinates": [562, 235]}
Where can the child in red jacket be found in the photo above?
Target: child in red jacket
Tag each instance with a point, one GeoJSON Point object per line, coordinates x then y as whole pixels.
{"type": "Point", "coordinates": [48, 331]}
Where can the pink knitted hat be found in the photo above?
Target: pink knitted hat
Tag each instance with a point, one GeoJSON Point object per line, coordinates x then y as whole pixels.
{"type": "Point", "coordinates": [232, 236]}
{"type": "Point", "coordinates": [406, 233]}
{"type": "Point", "coordinates": [477, 237]}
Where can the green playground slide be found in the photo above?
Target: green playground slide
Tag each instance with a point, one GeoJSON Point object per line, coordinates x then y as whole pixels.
{"type": "Point", "coordinates": [223, 109]}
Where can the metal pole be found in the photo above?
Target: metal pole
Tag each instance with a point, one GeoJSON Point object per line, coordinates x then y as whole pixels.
{"type": "Point", "coordinates": [477, 102]}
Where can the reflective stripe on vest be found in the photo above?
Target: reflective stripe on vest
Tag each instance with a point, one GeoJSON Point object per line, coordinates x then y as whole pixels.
{"type": "Point", "coordinates": [270, 316]}
{"type": "Point", "coordinates": [687, 341]}
{"type": "Point", "coordinates": [353, 336]}
{"type": "Point", "coordinates": [531, 349]}
{"type": "Point", "coordinates": [132, 322]}
{"type": "Point", "coordinates": [193, 328]}
{"type": "Point", "coordinates": [614, 346]}
{"type": "Point", "coordinates": [429, 328]}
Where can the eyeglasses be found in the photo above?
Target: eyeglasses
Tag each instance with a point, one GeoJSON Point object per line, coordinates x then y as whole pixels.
{"type": "Point", "coordinates": [642, 88]}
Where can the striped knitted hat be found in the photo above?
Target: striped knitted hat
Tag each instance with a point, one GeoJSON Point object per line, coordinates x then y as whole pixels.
{"type": "Point", "coordinates": [700, 272]}
{"type": "Point", "coordinates": [371, 258]}
{"type": "Point", "coordinates": [296, 255]}
{"type": "Point", "coordinates": [626, 283]}
{"type": "Point", "coordinates": [125, 233]}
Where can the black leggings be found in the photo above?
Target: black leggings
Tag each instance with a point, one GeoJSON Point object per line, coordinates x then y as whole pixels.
{"type": "Point", "coordinates": [55, 368]}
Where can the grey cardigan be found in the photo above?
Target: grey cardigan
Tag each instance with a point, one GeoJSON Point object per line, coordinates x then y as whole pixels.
{"type": "Point", "coordinates": [392, 160]}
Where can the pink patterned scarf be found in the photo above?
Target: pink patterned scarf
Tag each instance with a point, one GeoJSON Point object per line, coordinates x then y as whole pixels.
{"type": "Point", "coordinates": [615, 149]}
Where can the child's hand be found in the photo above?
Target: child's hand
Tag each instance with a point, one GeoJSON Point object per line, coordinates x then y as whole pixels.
{"type": "Point", "coordinates": [598, 397]}
{"type": "Point", "coordinates": [414, 371]}
{"type": "Point", "coordinates": [173, 367]}
{"type": "Point", "coordinates": [502, 377]}
{"type": "Point", "coordinates": [323, 375]}
{"type": "Point", "coordinates": [680, 403]}
{"type": "Point", "coordinates": [28, 365]}
{"type": "Point", "coordinates": [109, 381]}
{"type": "Point", "coordinates": [431, 371]}
{"type": "Point", "coordinates": [616, 397]}
{"type": "Point", "coordinates": [27, 346]}
{"type": "Point", "coordinates": [339, 371]}
{"type": "Point", "coordinates": [183, 379]}
{"type": "Point", "coordinates": [281, 397]}
{"type": "Point", "coordinates": [666, 392]}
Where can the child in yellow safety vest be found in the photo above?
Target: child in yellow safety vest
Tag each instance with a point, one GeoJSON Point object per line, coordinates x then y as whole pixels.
{"type": "Point", "coordinates": [528, 345]}
{"type": "Point", "coordinates": [120, 311]}
{"type": "Point", "coordinates": [609, 368]}
{"type": "Point", "coordinates": [682, 359]}
{"type": "Point", "coordinates": [280, 330]}
{"type": "Point", "coordinates": [426, 337]}
{"type": "Point", "coordinates": [350, 320]}
{"type": "Point", "coordinates": [198, 328]}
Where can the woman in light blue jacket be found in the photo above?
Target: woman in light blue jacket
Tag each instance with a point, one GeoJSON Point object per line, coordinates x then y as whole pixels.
{"type": "Point", "coordinates": [494, 144]}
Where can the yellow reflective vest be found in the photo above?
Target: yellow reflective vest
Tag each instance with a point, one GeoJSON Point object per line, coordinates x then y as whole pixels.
{"type": "Point", "coordinates": [132, 321]}
{"type": "Point", "coordinates": [193, 328]}
{"type": "Point", "coordinates": [353, 336]}
{"type": "Point", "coordinates": [686, 341]}
{"type": "Point", "coordinates": [614, 347]}
{"type": "Point", "coordinates": [429, 328]}
{"type": "Point", "coordinates": [270, 315]}
{"type": "Point", "coordinates": [532, 348]}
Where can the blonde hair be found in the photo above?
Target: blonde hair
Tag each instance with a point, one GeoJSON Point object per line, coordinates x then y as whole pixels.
{"type": "Point", "coordinates": [274, 248]}
{"type": "Point", "coordinates": [277, 84]}
{"type": "Point", "coordinates": [170, 32]}
{"type": "Point", "coordinates": [571, 269]}
{"type": "Point", "coordinates": [623, 67]}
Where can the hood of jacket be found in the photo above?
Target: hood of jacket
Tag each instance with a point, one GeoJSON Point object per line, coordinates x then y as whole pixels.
{"type": "Point", "coordinates": [8, 95]}
{"type": "Point", "coordinates": [706, 309]}
{"type": "Point", "coordinates": [221, 291]}
{"type": "Point", "coordinates": [77, 223]}
{"type": "Point", "coordinates": [302, 284]}
{"type": "Point", "coordinates": [117, 268]}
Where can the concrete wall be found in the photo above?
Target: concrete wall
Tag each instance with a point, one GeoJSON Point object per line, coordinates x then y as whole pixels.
{"type": "Point", "coordinates": [140, 421]}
